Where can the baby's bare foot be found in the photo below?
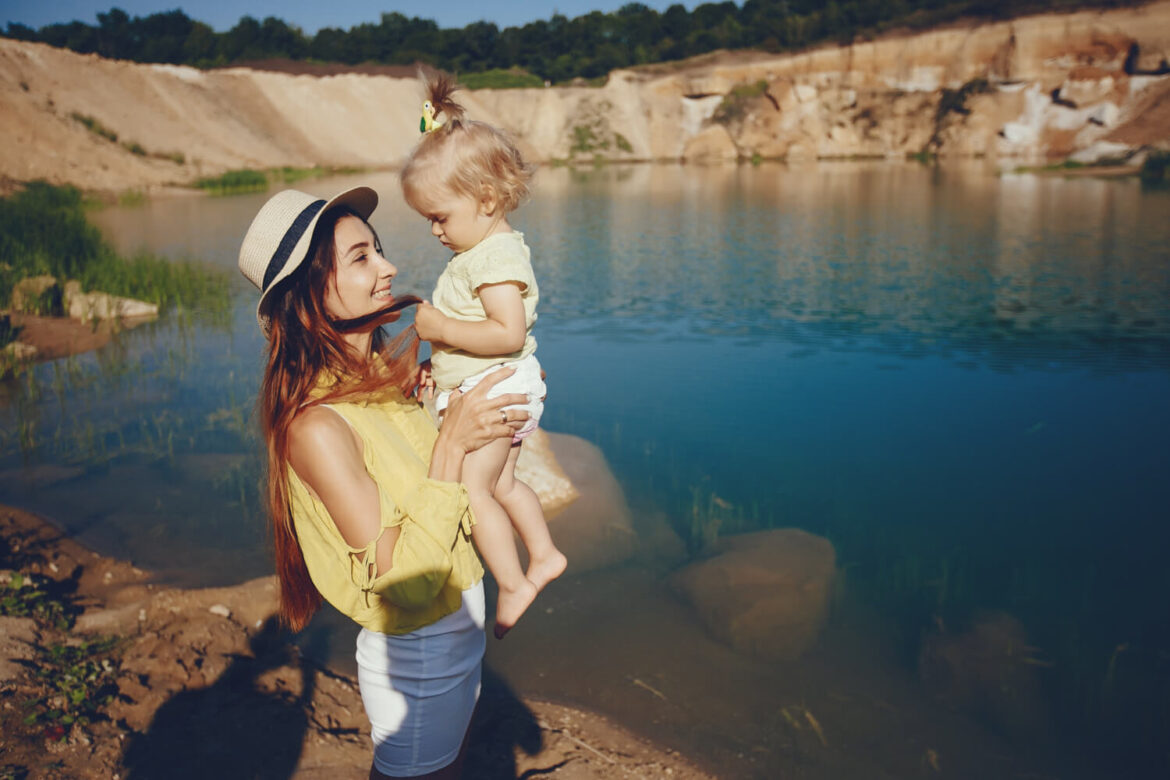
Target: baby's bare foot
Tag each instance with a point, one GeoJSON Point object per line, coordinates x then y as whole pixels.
{"type": "Point", "coordinates": [542, 571]}
{"type": "Point", "coordinates": [510, 605]}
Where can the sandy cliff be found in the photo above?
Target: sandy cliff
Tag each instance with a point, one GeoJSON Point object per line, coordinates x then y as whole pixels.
{"type": "Point", "coordinates": [1090, 84]}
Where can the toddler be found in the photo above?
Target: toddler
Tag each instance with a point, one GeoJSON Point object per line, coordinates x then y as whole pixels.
{"type": "Point", "coordinates": [465, 177]}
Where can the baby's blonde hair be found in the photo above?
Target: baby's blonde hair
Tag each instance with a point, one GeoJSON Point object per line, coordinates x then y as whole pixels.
{"type": "Point", "coordinates": [464, 156]}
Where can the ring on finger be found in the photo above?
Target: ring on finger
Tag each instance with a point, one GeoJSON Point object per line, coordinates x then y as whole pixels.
{"type": "Point", "coordinates": [503, 417]}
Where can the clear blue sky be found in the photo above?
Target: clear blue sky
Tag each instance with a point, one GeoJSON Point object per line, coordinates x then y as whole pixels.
{"type": "Point", "coordinates": [311, 16]}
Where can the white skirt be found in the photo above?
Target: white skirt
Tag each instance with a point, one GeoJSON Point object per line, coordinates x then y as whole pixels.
{"type": "Point", "coordinates": [419, 689]}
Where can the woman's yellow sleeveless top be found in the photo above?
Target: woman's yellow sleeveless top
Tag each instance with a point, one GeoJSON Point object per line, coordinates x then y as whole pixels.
{"type": "Point", "coordinates": [433, 560]}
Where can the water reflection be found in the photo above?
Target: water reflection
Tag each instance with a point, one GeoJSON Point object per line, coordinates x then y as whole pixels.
{"type": "Point", "coordinates": [979, 262]}
{"type": "Point", "coordinates": [960, 379]}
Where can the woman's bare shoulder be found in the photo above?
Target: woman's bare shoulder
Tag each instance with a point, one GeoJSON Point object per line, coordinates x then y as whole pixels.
{"type": "Point", "coordinates": [319, 437]}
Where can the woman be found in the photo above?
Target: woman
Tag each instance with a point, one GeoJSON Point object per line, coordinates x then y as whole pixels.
{"type": "Point", "coordinates": [367, 507]}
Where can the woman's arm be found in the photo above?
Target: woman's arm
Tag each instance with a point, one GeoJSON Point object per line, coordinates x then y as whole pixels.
{"type": "Point", "coordinates": [327, 456]}
{"type": "Point", "coordinates": [501, 333]}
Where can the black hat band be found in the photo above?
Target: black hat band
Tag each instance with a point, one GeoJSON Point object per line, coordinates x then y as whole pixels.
{"type": "Point", "coordinates": [289, 242]}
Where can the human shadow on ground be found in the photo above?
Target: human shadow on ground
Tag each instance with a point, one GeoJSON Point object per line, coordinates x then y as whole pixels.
{"type": "Point", "coordinates": [502, 723]}
{"type": "Point", "coordinates": [231, 729]}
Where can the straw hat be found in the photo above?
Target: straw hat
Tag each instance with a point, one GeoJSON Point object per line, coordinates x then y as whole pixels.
{"type": "Point", "coordinates": [278, 240]}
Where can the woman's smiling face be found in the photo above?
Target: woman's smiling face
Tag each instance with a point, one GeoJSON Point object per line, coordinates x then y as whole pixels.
{"type": "Point", "coordinates": [361, 277]}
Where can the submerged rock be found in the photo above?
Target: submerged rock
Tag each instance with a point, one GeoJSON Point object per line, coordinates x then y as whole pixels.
{"type": "Point", "coordinates": [989, 671]}
{"type": "Point", "coordinates": [765, 593]}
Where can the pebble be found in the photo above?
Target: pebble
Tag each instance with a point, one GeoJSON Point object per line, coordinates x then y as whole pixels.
{"type": "Point", "coordinates": [221, 610]}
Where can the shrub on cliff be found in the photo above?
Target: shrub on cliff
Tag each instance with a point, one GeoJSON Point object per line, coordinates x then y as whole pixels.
{"type": "Point", "coordinates": [735, 103]}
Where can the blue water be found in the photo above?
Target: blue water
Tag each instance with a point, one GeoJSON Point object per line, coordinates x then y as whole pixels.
{"type": "Point", "coordinates": [960, 379]}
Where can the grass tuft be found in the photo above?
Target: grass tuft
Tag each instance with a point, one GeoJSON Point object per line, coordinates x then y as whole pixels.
{"type": "Point", "coordinates": [44, 230]}
{"type": "Point", "coordinates": [234, 182]}
{"type": "Point", "coordinates": [33, 597]}
{"type": "Point", "coordinates": [95, 127]}
{"type": "Point", "coordinates": [498, 78]}
{"type": "Point", "coordinates": [80, 682]}
{"type": "Point", "coordinates": [245, 180]}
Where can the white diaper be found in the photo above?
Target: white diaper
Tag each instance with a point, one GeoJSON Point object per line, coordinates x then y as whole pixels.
{"type": "Point", "coordinates": [526, 380]}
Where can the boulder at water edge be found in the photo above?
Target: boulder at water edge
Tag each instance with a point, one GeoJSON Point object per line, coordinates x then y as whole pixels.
{"type": "Point", "coordinates": [588, 516]}
{"type": "Point", "coordinates": [103, 306]}
{"type": "Point", "coordinates": [539, 468]}
{"type": "Point", "coordinates": [36, 295]}
{"type": "Point", "coordinates": [765, 593]}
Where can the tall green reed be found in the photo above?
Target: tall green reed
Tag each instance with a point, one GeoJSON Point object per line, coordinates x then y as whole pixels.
{"type": "Point", "coordinates": [44, 230]}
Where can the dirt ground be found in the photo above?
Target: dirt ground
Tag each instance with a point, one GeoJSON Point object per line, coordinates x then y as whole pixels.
{"type": "Point", "coordinates": [208, 684]}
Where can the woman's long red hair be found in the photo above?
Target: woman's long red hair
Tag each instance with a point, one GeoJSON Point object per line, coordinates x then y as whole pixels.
{"type": "Point", "coordinates": [305, 349]}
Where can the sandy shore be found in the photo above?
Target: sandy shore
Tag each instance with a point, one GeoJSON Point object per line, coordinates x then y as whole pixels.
{"type": "Point", "coordinates": [206, 684]}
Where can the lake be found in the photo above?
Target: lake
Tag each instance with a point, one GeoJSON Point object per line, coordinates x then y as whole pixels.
{"type": "Point", "coordinates": [960, 379]}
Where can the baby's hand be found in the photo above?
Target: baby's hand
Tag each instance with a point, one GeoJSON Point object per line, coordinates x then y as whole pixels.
{"type": "Point", "coordinates": [426, 381]}
{"type": "Point", "coordinates": [428, 321]}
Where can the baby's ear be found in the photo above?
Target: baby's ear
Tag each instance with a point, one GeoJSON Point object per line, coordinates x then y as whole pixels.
{"type": "Point", "coordinates": [489, 200]}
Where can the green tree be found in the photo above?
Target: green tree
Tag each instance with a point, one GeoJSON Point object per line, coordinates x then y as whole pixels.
{"type": "Point", "coordinates": [115, 39]}
{"type": "Point", "coordinates": [199, 47]}
{"type": "Point", "coordinates": [676, 22]}
{"type": "Point", "coordinates": [478, 49]}
{"type": "Point", "coordinates": [558, 48]}
{"type": "Point", "coordinates": [21, 32]}
{"type": "Point", "coordinates": [162, 37]}
{"type": "Point", "coordinates": [329, 45]}
{"type": "Point", "coordinates": [242, 41]}
{"type": "Point", "coordinates": [75, 35]}
{"type": "Point", "coordinates": [279, 39]}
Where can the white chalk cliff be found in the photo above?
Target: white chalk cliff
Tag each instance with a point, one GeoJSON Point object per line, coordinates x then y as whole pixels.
{"type": "Point", "coordinates": [1090, 84]}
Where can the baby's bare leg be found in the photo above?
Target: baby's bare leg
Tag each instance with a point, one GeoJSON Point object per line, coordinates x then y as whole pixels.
{"type": "Point", "coordinates": [493, 533]}
{"type": "Point", "coordinates": [545, 561]}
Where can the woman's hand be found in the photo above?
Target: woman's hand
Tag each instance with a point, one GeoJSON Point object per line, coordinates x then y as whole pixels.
{"type": "Point", "coordinates": [473, 420]}
{"type": "Point", "coordinates": [426, 382]}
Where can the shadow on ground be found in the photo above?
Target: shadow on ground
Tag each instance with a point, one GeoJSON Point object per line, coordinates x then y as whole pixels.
{"type": "Point", "coordinates": [232, 729]}
{"type": "Point", "coordinates": [237, 730]}
{"type": "Point", "coordinates": [502, 723]}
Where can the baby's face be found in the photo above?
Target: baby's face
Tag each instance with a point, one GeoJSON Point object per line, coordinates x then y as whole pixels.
{"type": "Point", "coordinates": [458, 221]}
